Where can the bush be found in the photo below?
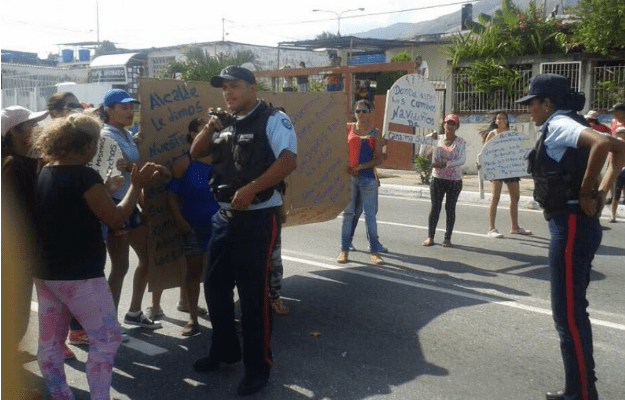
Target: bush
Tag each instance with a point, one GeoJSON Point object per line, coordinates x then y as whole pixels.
{"type": "Point", "coordinates": [424, 168]}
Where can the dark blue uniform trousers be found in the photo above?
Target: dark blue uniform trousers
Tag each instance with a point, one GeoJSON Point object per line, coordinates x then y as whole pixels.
{"type": "Point", "coordinates": [239, 254]}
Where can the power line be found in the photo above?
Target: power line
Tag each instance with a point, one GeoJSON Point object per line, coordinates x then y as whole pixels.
{"type": "Point", "coordinates": [359, 15]}
{"type": "Point", "coordinates": [37, 25]}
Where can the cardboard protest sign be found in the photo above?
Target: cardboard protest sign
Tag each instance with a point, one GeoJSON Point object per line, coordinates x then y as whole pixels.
{"type": "Point", "coordinates": [105, 160]}
{"type": "Point", "coordinates": [167, 107]}
{"type": "Point", "coordinates": [504, 156]}
{"type": "Point", "coordinates": [317, 191]}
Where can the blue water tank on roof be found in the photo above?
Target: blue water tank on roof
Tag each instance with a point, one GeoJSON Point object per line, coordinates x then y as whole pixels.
{"type": "Point", "coordinates": [84, 55]}
{"type": "Point", "coordinates": [67, 55]}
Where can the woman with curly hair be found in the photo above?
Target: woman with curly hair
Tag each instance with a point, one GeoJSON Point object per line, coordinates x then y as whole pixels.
{"type": "Point", "coordinates": [71, 202]}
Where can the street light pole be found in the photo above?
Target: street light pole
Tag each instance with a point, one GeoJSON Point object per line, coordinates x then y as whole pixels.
{"type": "Point", "coordinates": [338, 16]}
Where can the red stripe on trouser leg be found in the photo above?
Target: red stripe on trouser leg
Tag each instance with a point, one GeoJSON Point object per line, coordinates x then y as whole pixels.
{"type": "Point", "coordinates": [266, 306]}
{"type": "Point", "coordinates": [570, 303]}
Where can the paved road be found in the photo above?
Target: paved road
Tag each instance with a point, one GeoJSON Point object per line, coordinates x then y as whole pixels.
{"type": "Point", "coordinates": [470, 322]}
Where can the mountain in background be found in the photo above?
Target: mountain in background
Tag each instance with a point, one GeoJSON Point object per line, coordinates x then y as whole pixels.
{"type": "Point", "coordinates": [451, 22]}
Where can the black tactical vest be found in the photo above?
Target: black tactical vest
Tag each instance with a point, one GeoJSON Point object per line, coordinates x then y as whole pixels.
{"type": "Point", "coordinates": [240, 154]}
{"type": "Point", "coordinates": [556, 183]}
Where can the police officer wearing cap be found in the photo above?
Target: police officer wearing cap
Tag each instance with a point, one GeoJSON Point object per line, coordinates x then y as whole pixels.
{"type": "Point", "coordinates": [565, 165]}
{"type": "Point", "coordinates": [253, 151]}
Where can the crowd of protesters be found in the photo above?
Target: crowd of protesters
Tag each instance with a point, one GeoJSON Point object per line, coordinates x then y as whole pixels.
{"type": "Point", "coordinates": [73, 218]}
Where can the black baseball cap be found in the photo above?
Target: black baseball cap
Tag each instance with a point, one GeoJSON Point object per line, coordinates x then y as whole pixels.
{"type": "Point", "coordinates": [549, 85]}
{"type": "Point", "coordinates": [617, 107]}
{"type": "Point", "coordinates": [233, 73]}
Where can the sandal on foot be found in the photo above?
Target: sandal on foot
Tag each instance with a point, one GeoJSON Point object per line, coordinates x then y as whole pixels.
{"type": "Point", "coordinates": [494, 233]}
{"type": "Point", "coordinates": [428, 242]}
{"type": "Point", "coordinates": [521, 231]}
{"type": "Point", "coordinates": [447, 243]}
{"type": "Point", "coordinates": [191, 330]}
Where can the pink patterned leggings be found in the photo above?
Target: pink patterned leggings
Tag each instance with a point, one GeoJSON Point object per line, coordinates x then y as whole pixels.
{"type": "Point", "coordinates": [91, 302]}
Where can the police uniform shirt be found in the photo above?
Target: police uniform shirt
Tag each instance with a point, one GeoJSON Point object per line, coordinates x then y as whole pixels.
{"type": "Point", "coordinates": [562, 132]}
{"type": "Point", "coordinates": [281, 136]}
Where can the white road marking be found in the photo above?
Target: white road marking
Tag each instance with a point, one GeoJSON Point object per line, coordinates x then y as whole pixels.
{"type": "Point", "coordinates": [487, 299]}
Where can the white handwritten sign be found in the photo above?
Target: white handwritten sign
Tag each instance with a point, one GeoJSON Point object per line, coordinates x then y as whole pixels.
{"type": "Point", "coordinates": [105, 159]}
{"type": "Point", "coordinates": [504, 156]}
{"type": "Point", "coordinates": [410, 138]}
{"type": "Point", "coordinates": [412, 102]}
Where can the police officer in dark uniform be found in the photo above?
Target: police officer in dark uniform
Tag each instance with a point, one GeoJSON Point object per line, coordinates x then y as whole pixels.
{"type": "Point", "coordinates": [565, 166]}
{"type": "Point", "coordinates": [253, 149]}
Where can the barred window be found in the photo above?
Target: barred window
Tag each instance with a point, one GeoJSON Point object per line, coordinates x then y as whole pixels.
{"type": "Point", "coordinates": [608, 84]}
{"type": "Point", "coordinates": [466, 98]}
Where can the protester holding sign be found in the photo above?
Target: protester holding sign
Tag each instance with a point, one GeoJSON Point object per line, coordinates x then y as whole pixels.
{"type": "Point", "coordinates": [117, 113]}
{"type": "Point", "coordinates": [565, 166]}
{"type": "Point", "coordinates": [446, 178]}
{"type": "Point", "coordinates": [71, 202]}
{"type": "Point", "coordinates": [499, 124]}
{"type": "Point", "coordinates": [365, 152]}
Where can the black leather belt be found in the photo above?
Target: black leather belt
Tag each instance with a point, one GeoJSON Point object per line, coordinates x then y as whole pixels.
{"type": "Point", "coordinates": [231, 213]}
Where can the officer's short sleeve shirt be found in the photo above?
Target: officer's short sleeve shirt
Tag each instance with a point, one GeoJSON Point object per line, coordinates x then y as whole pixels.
{"type": "Point", "coordinates": [562, 132]}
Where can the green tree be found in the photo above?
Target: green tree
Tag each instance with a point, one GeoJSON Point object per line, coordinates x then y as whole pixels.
{"type": "Point", "coordinates": [510, 32]}
{"type": "Point", "coordinates": [603, 26]}
{"type": "Point", "coordinates": [201, 66]}
{"type": "Point", "coordinates": [325, 35]}
{"type": "Point", "coordinates": [106, 47]}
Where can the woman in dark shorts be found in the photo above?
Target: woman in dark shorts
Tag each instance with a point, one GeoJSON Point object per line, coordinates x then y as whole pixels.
{"type": "Point", "coordinates": [499, 124]}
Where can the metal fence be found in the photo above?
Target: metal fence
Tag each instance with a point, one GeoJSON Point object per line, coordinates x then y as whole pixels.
{"type": "Point", "coordinates": [571, 70]}
{"type": "Point", "coordinates": [465, 98]}
{"type": "Point", "coordinates": [606, 79]}
{"type": "Point", "coordinates": [608, 85]}
{"type": "Point", "coordinates": [33, 98]}
{"type": "Point", "coordinates": [30, 91]}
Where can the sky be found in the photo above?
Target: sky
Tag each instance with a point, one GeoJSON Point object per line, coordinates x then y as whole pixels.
{"type": "Point", "coordinates": [40, 26]}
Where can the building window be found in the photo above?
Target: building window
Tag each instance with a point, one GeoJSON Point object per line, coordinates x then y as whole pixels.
{"type": "Point", "coordinates": [608, 84]}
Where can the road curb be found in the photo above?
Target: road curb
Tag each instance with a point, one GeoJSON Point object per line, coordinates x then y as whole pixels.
{"type": "Point", "coordinates": [422, 192]}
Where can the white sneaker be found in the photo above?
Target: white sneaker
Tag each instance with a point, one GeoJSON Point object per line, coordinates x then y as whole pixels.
{"type": "Point", "coordinates": [154, 313]}
{"type": "Point", "coordinates": [494, 234]}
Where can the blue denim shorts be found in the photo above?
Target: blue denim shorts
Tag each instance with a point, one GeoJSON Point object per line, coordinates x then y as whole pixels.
{"type": "Point", "coordinates": [134, 220]}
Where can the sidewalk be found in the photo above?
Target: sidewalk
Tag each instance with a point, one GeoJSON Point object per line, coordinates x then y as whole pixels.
{"type": "Point", "coordinates": [408, 184]}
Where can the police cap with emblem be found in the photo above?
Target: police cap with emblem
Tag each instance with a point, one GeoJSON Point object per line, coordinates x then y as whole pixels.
{"type": "Point", "coordinates": [233, 73]}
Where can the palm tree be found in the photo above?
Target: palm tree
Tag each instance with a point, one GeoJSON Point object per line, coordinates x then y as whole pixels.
{"type": "Point", "coordinates": [201, 66]}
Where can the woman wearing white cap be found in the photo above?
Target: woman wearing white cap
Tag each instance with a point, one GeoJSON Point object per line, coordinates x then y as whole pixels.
{"type": "Point", "coordinates": [19, 179]}
{"type": "Point", "coordinates": [117, 112]}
